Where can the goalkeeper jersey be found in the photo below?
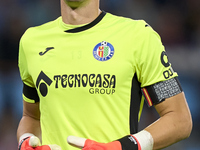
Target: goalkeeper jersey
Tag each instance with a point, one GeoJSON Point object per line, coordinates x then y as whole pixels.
{"type": "Point", "coordinates": [88, 78]}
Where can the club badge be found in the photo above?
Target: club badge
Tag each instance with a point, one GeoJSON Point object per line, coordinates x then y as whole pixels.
{"type": "Point", "coordinates": [103, 51]}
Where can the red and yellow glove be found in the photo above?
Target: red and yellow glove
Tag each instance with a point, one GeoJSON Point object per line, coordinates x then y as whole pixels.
{"type": "Point", "coordinates": [33, 143]}
{"type": "Point", "coordinates": [125, 143]}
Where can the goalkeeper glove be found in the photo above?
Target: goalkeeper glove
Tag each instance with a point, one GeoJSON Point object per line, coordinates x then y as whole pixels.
{"type": "Point", "coordinates": [125, 143]}
{"type": "Point", "coordinates": [33, 143]}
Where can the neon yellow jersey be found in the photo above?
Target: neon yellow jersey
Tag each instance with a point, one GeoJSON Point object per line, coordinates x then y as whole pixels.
{"type": "Point", "coordinates": [88, 80]}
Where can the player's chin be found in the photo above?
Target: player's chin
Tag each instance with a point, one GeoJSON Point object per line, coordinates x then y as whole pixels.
{"type": "Point", "coordinates": [74, 3]}
{"type": "Point", "coordinates": [74, 0]}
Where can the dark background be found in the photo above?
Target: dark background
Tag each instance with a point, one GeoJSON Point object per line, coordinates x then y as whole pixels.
{"type": "Point", "coordinates": [177, 22]}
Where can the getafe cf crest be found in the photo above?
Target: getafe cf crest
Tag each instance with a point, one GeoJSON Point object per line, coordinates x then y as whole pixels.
{"type": "Point", "coordinates": [103, 51]}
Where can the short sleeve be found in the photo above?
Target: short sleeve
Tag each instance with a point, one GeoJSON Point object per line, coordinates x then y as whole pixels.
{"type": "Point", "coordinates": [152, 62]}
{"type": "Point", "coordinates": [24, 73]}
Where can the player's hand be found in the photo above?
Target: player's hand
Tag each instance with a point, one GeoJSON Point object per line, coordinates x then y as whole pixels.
{"type": "Point", "coordinates": [33, 143]}
{"type": "Point", "coordinates": [87, 144]}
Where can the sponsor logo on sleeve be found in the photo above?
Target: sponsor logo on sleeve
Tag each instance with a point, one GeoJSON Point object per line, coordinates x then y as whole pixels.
{"type": "Point", "coordinates": [165, 62]}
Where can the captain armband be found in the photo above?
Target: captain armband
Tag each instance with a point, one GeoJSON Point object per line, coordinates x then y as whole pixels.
{"type": "Point", "coordinates": [156, 93]}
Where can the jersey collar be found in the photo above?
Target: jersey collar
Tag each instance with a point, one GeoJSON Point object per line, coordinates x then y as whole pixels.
{"type": "Point", "coordinates": [87, 26]}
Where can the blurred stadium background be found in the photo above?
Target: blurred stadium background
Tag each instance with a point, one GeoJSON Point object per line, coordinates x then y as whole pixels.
{"type": "Point", "coordinates": [177, 22]}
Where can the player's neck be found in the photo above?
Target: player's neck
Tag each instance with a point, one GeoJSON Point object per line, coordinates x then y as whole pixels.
{"type": "Point", "coordinates": [81, 15]}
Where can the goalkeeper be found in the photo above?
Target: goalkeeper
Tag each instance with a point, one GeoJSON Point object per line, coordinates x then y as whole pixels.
{"type": "Point", "coordinates": [86, 76]}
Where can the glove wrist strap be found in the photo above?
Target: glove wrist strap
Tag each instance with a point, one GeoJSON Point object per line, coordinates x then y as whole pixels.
{"type": "Point", "coordinates": [129, 143]}
{"type": "Point", "coordinates": [139, 141]}
{"type": "Point", "coordinates": [21, 142]}
{"type": "Point", "coordinates": [23, 138]}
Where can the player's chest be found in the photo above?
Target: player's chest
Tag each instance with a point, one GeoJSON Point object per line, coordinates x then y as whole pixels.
{"type": "Point", "coordinates": [67, 64]}
{"type": "Point", "coordinates": [81, 57]}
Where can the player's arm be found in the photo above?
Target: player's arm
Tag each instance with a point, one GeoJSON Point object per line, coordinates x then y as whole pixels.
{"type": "Point", "coordinates": [30, 122]}
{"type": "Point", "coordinates": [29, 131]}
{"type": "Point", "coordinates": [174, 124]}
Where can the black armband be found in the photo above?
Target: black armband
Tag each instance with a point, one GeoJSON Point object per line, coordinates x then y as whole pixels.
{"type": "Point", "coordinates": [129, 143]}
{"type": "Point", "coordinates": [156, 93]}
{"type": "Point", "coordinates": [31, 93]}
